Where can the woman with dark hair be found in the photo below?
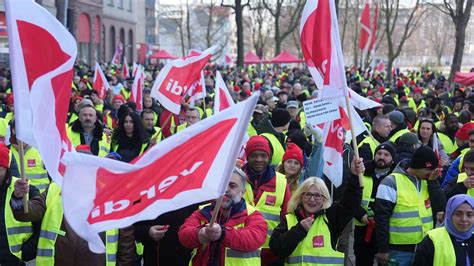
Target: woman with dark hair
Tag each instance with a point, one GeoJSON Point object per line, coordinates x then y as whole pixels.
{"type": "Point", "coordinates": [129, 139]}
{"type": "Point", "coordinates": [428, 136]}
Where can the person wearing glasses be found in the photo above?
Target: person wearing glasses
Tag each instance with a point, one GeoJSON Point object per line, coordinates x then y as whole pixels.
{"type": "Point", "coordinates": [313, 224]}
{"type": "Point", "coordinates": [464, 182]}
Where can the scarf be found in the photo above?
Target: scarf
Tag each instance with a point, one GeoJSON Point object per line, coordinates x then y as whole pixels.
{"type": "Point", "coordinates": [451, 206]}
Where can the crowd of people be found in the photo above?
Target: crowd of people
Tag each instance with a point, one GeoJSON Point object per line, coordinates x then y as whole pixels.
{"type": "Point", "coordinates": [415, 205]}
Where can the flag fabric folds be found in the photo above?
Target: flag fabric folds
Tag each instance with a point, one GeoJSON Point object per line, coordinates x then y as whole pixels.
{"type": "Point", "coordinates": [222, 98]}
{"type": "Point", "coordinates": [101, 85]}
{"type": "Point", "coordinates": [365, 36]}
{"type": "Point", "coordinates": [136, 93]}
{"type": "Point", "coordinates": [42, 56]}
{"type": "Point", "coordinates": [191, 166]}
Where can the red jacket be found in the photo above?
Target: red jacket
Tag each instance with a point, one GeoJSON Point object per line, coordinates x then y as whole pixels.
{"type": "Point", "coordinates": [249, 238]}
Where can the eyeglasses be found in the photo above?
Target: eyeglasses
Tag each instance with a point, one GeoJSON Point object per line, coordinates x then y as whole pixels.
{"type": "Point", "coordinates": [308, 195]}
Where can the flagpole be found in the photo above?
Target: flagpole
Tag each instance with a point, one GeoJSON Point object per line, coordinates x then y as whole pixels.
{"type": "Point", "coordinates": [214, 215]}
{"type": "Point", "coordinates": [164, 125]}
{"type": "Point", "coordinates": [354, 139]}
{"type": "Point", "coordinates": [22, 173]}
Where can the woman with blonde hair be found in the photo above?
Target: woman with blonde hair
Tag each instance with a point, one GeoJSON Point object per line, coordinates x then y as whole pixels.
{"type": "Point", "coordinates": [314, 223]}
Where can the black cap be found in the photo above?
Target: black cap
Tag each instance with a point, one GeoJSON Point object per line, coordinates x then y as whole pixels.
{"type": "Point", "coordinates": [424, 157]}
{"type": "Point", "coordinates": [388, 146]}
{"type": "Point", "coordinates": [280, 117]}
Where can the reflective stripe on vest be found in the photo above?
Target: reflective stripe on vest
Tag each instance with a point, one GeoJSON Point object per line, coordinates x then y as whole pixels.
{"type": "Point", "coordinates": [314, 252]}
{"type": "Point", "coordinates": [34, 168]}
{"type": "Point", "coordinates": [17, 232]}
{"type": "Point", "coordinates": [236, 257]}
{"type": "Point", "coordinates": [412, 216]}
{"type": "Point", "coordinates": [397, 135]}
{"type": "Point", "coordinates": [104, 143]}
{"type": "Point", "coordinates": [444, 253]}
{"type": "Point", "coordinates": [111, 246]}
{"type": "Point", "coordinates": [366, 197]}
{"type": "Point", "coordinates": [270, 209]}
{"type": "Point", "coordinates": [278, 150]}
{"type": "Point", "coordinates": [461, 178]}
{"type": "Point", "coordinates": [373, 143]}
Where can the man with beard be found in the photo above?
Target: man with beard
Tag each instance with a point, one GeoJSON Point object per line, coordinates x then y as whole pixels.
{"type": "Point", "coordinates": [380, 132]}
{"type": "Point", "coordinates": [405, 204]}
{"type": "Point", "coordinates": [365, 246]}
{"type": "Point", "coordinates": [237, 234]}
{"type": "Point", "coordinates": [88, 130]}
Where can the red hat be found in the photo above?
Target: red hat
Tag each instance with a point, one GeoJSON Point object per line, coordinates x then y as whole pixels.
{"type": "Point", "coordinates": [4, 156]}
{"type": "Point", "coordinates": [463, 132]}
{"type": "Point", "coordinates": [257, 143]}
{"type": "Point", "coordinates": [76, 98]}
{"type": "Point", "coordinates": [9, 99]}
{"type": "Point", "coordinates": [236, 88]}
{"type": "Point", "coordinates": [418, 90]}
{"type": "Point", "coordinates": [118, 97]}
{"type": "Point", "coordinates": [293, 152]}
{"type": "Point", "coordinates": [399, 84]}
{"type": "Point", "coordinates": [257, 86]}
{"type": "Point", "coordinates": [83, 148]}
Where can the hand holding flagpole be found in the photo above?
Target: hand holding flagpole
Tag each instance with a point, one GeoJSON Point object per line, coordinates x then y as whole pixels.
{"type": "Point", "coordinates": [22, 174]}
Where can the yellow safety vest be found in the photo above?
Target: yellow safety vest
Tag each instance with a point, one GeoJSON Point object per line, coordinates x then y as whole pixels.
{"type": "Point", "coordinates": [17, 232]}
{"type": "Point", "coordinates": [104, 143]}
{"type": "Point", "coordinates": [366, 197]}
{"type": "Point", "coordinates": [277, 148]}
{"type": "Point", "coordinates": [144, 146]}
{"type": "Point", "coordinates": [444, 253]}
{"type": "Point", "coordinates": [251, 131]}
{"type": "Point", "coordinates": [461, 178]}
{"type": "Point", "coordinates": [157, 135]}
{"type": "Point", "coordinates": [51, 228]}
{"type": "Point", "coordinates": [34, 168]}
{"type": "Point", "coordinates": [397, 135]}
{"type": "Point", "coordinates": [9, 117]}
{"type": "Point", "coordinates": [412, 216]}
{"type": "Point", "coordinates": [448, 145]}
{"type": "Point", "coordinates": [3, 128]}
{"type": "Point", "coordinates": [412, 105]}
{"type": "Point", "coordinates": [373, 143]}
{"type": "Point", "coordinates": [315, 248]}
{"type": "Point", "coordinates": [269, 204]}
{"type": "Point", "coordinates": [73, 118]}
{"type": "Point", "coordinates": [461, 161]}
{"type": "Point", "coordinates": [99, 107]}
{"type": "Point", "coordinates": [181, 127]}
{"type": "Point", "coordinates": [235, 257]}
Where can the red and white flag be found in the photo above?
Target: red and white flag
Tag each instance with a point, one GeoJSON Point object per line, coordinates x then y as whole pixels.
{"type": "Point", "coordinates": [380, 67]}
{"type": "Point", "coordinates": [125, 69]}
{"type": "Point", "coordinates": [117, 54]}
{"type": "Point", "coordinates": [177, 77]}
{"type": "Point", "coordinates": [374, 27]}
{"type": "Point", "coordinates": [191, 166]}
{"type": "Point", "coordinates": [136, 94]}
{"type": "Point", "coordinates": [321, 48]}
{"type": "Point", "coordinates": [42, 55]}
{"type": "Point", "coordinates": [135, 69]}
{"type": "Point", "coordinates": [198, 90]}
{"type": "Point", "coordinates": [222, 97]}
{"type": "Point", "coordinates": [101, 85]}
{"type": "Point", "coordinates": [365, 35]}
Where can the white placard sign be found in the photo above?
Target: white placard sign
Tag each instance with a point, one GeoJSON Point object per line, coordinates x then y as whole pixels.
{"type": "Point", "coordinates": [320, 111]}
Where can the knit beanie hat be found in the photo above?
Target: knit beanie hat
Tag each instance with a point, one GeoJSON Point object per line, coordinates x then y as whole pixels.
{"type": "Point", "coordinates": [280, 117]}
{"type": "Point", "coordinates": [293, 152]}
{"type": "Point", "coordinates": [257, 143]}
{"type": "Point", "coordinates": [424, 157]}
{"type": "Point", "coordinates": [396, 117]}
{"type": "Point", "coordinates": [388, 146]}
{"type": "Point", "coordinates": [4, 156]}
{"type": "Point", "coordinates": [463, 132]}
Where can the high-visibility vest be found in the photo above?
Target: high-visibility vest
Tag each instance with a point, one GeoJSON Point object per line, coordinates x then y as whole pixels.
{"type": "Point", "coordinates": [397, 135]}
{"type": "Point", "coordinates": [157, 135]}
{"type": "Point", "coordinates": [99, 107]}
{"type": "Point", "coordinates": [3, 128]}
{"type": "Point", "coordinates": [73, 118]}
{"type": "Point", "coordinates": [461, 160]}
{"type": "Point", "coordinates": [51, 228]}
{"type": "Point", "coordinates": [461, 178]}
{"type": "Point", "coordinates": [448, 145]}
{"type": "Point", "coordinates": [277, 148]}
{"type": "Point", "coordinates": [444, 253]}
{"type": "Point", "coordinates": [373, 143]}
{"type": "Point", "coordinates": [251, 131]}
{"type": "Point", "coordinates": [181, 127]}
{"type": "Point", "coordinates": [34, 168]}
{"type": "Point", "coordinates": [17, 232]}
{"type": "Point", "coordinates": [9, 117]}
{"type": "Point", "coordinates": [142, 149]}
{"type": "Point", "coordinates": [269, 204]}
{"type": "Point", "coordinates": [366, 196]}
{"type": "Point", "coordinates": [235, 257]}
{"type": "Point", "coordinates": [104, 143]}
{"type": "Point", "coordinates": [412, 105]}
{"type": "Point", "coordinates": [412, 216]}
{"type": "Point", "coordinates": [315, 248]}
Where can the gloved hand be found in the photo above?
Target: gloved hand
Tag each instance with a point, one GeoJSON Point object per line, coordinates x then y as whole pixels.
{"type": "Point", "coordinates": [315, 131]}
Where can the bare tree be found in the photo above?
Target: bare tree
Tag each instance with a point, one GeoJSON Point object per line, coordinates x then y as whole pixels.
{"type": "Point", "coordinates": [188, 24]}
{"type": "Point", "coordinates": [284, 9]}
{"type": "Point", "coordinates": [355, 38]}
{"type": "Point", "coordinates": [345, 18]}
{"type": "Point", "coordinates": [238, 8]}
{"type": "Point", "coordinates": [400, 24]}
{"type": "Point", "coordinates": [439, 39]}
{"type": "Point", "coordinates": [215, 22]}
{"type": "Point", "coordinates": [460, 13]}
{"type": "Point", "coordinates": [257, 25]}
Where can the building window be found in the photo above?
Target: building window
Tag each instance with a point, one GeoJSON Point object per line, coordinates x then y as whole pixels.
{"type": "Point", "coordinates": [110, 2]}
{"type": "Point", "coordinates": [130, 5]}
{"type": "Point", "coordinates": [120, 4]}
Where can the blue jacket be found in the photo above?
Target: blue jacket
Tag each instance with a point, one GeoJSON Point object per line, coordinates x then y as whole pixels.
{"type": "Point", "coordinates": [452, 172]}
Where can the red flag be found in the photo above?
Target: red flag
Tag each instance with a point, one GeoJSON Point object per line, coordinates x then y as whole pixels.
{"type": "Point", "coordinates": [198, 90]}
{"type": "Point", "coordinates": [374, 27]}
{"type": "Point", "coordinates": [191, 166]}
{"type": "Point", "coordinates": [222, 98]}
{"type": "Point", "coordinates": [177, 77]}
{"type": "Point", "coordinates": [366, 29]}
{"type": "Point", "coordinates": [321, 48]}
{"type": "Point", "coordinates": [42, 55]}
{"type": "Point", "coordinates": [466, 79]}
{"type": "Point", "coordinates": [101, 85]}
{"type": "Point", "coordinates": [381, 66]}
{"type": "Point", "coordinates": [125, 69]}
{"type": "Point", "coordinates": [137, 89]}
{"type": "Point", "coordinates": [135, 68]}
